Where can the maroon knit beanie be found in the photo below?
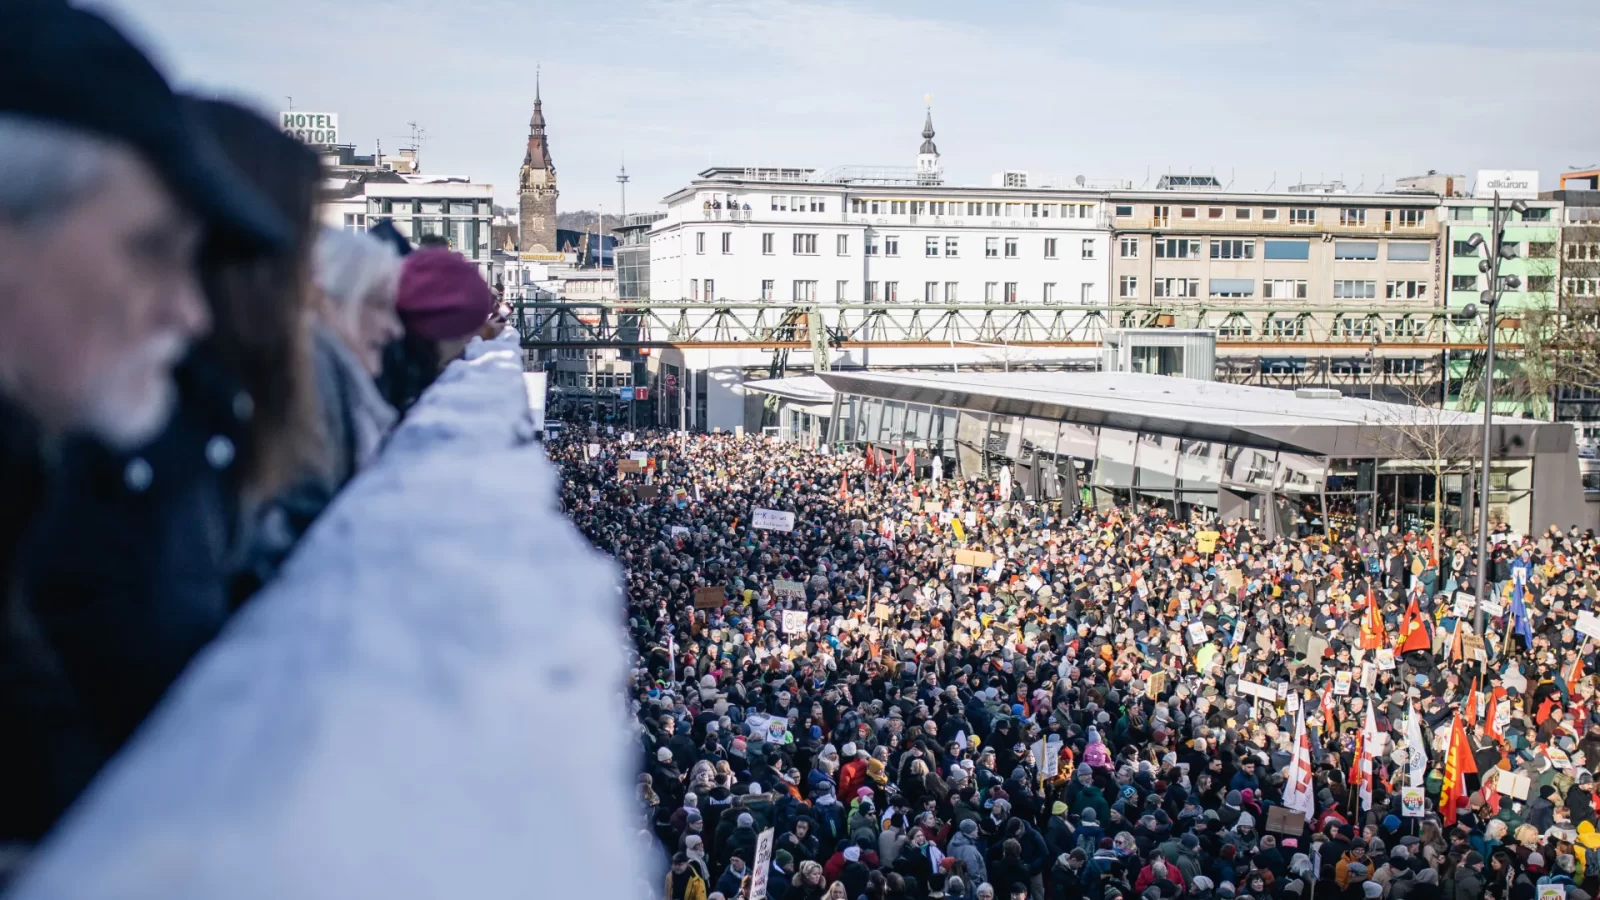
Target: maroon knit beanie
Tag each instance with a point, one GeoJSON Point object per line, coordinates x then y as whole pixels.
{"type": "Point", "coordinates": [442, 296]}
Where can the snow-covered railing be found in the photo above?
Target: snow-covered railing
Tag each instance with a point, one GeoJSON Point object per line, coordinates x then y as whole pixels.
{"type": "Point", "coordinates": [425, 704]}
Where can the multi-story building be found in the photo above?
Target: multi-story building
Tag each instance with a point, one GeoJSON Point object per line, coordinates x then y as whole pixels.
{"type": "Point", "coordinates": [1579, 283]}
{"type": "Point", "coordinates": [459, 210]}
{"type": "Point", "coordinates": [632, 255]}
{"type": "Point", "coordinates": [1536, 236]}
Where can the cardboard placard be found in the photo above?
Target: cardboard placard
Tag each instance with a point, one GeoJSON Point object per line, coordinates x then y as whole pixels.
{"type": "Point", "coordinates": [977, 559]}
{"type": "Point", "coordinates": [591, 450]}
{"type": "Point", "coordinates": [761, 866]}
{"type": "Point", "coordinates": [629, 466]}
{"type": "Point", "coordinates": [646, 492]}
{"type": "Point", "coordinates": [1157, 684]}
{"type": "Point", "coordinates": [882, 612]}
{"type": "Point", "coordinates": [710, 597]}
{"type": "Point", "coordinates": [1286, 821]}
{"type": "Point", "coordinates": [789, 590]}
{"type": "Point", "coordinates": [933, 507]}
{"type": "Point", "coordinates": [1386, 658]}
{"type": "Point", "coordinates": [678, 530]}
{"type": "Point", "coordinates": [1233, 578]}
{"type": "Point", "coordinates": [638, 455]}
{"type": "Point", "coordinates": [1513, 784]}
{"type": "Point", "coordinates": [1492, 609]}
{"type": "Point", "coordinates": [1463, 604]}
{"type": "Point", "coordinates": [1472, 648]}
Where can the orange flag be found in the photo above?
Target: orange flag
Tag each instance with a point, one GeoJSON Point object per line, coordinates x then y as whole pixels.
{"type": "Point", "coordinates": [844, 485]}
{"type": "Point", "coordinates": [1455, 643]}
{"type": "Point", "coordinates": [1469, 707]}
{"type": "Point", "coordinates": [1413, 633]}
{"type": "Point", "coordinates": [1489, 724]}
{"type": "Point", "coordinates": [1373, 634]}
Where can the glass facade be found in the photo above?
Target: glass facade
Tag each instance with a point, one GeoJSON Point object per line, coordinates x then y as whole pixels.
{"type": "Point", "coordinates": [1292, 493]}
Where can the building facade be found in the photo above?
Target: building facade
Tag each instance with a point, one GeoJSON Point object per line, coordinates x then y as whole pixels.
{"type": "Point", "coordinates": [460, 211]}
{"type": "Point", "coordinates": [536, 187]}
{"type": "Point", "coordinates": [632, 255]}
{"type": "Point", "coordinates": [1536, 235]}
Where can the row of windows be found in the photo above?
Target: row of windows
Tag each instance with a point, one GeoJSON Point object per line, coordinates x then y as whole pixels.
{"type": "Point", "coordinates": [1349, 217]}
{"type": "Point", "coordinates": [1245, 248]}
{"type": "Point", "coordinates": [805, 291]}
{"type": "Point", "coordinates": [1358, 327]}
{"type": "Point", "coordinates": [1536, 284]}
{"type": "Point", "coordinates": [1534, 250]}
{"type": "Point", "coordinates": [991, 209]}
{"type": "Point", "coordinates": [1271, 289]}
{"type": "Point", "coordinates": [933, 246]}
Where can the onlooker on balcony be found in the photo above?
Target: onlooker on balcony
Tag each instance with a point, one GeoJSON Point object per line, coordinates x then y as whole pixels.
{"type": "Point", "coordinates": [444, 304]}
{"type": "Point", "coordinates": [108, 192]}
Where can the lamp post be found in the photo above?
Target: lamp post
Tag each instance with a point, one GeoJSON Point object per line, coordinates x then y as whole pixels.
{"type": "Point", "coordinates": [1498, 249]}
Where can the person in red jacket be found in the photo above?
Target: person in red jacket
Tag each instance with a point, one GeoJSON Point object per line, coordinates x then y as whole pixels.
{"type": "Point", "coordinates": [853, 773]}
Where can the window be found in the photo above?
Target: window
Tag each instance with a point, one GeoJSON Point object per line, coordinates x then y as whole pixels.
{"type": "Point", "coordinates": [1462, 248]}
{"type": "Point", "coordinates": [1011, 248]}
{"type": "Point", "coordinates": [1355, 250]}
{"type": "Point", "coordinates": [1540, 284]}
{"type": "Point", "coordinates": [766, 290]}
{"type": "Point", "coordinates": [1405, 365]}
{"type": "Point", "coordinates": [991, 248]}
{"type": "Point", "coordinates": [1405, 326]}
{"type": "Point", "coordinates": [1285, 327]}
{"type": "Point", "coordinates": [1214, 212]}
{"type": "Point", "coordinates": [805, 292]}
{"type": "Point", "coordinates": [1085, 292]}
{"type": "Point", "coordinates": [897, 207]}
{"type": "Point", "coordinates": [974, 209]}
{"type": "Point", "coordinates": [1579, 287]}
{"type": "Point", "coordinates": [1233, 288]}
{"type": "Point", "coordinates": [1160, 216]}
{"type": "Point", "coordinates": [1355, 290]}
{"type": "Point", "coordinates": [1286, 250]}
{"type": "Point", "coordinates": [871, 244]}
{"type": "Point", "coordinates": [1124, 212]}
{"type": "Point", "coordinates": [841, 245]}
{"type": "Point", "coordinates": [1283, 289]}
{"type": "Point", "coordinates": [699, 242]}
{"type": "Point", "coordinates": [1011, 292]}
{"type": "Point", "coordinates": [780, 204]}
{"type": "Point", "coordinates": [766, 243]}
{"type": "Point", "coordinates": [1031, 210]}
{"type": "Point", "coordinates": [872, 292]}
{"type": "Point", "coordinates": [1539, 214]}
{"type": "Point", "coordinates": [931, 247]}
{"type": "Point", "coordinates": [1352, 217]}
{"type": "Point", "coordinates": [1242, 213]}
{"type": "Point", "coordinates": [694, 289]}
{"type": "Point", "coordinates": [1408, 251]}
{"type": "Point", "coordinates": [841, 292]}
{"type": "Point", "coordinates": [952, 247]}
{"type": "Point", "coordinates": [1188, 212]}
{"type": "Point", "coordinates": [798, 204]}
{"type": "Point", "coordinates": [857, 205]}
{"type": "Point", "coordinates": [991, 291]}
{"type": "Point", "coordinates": [1166, 288]}
{"type": "Point", "coordinates": [1128, 286]}
{"type": "Point", "coordinates": [891, 292]}
{"type": "Point", "coordinates": [1302, 217]}
{"type": "Point", "coordinates": [1463, 282]}
{"type": "Point", "coordinates": [950, 292]}
{"type": "Point", "coordinates": [711, 289]}
{"type": "Point", "coordinates": [1269, 215]}
{"type": "Point", "coordinates": [1406, 290]}
{"type": "Point", "coordinates": [1049, 294]}
{"type": "Point", "coordinates": [819, 204]}
{"type": "Point", "coordinates": [727, 242]}
{"type": "Point", "coordinates": [1412, 218]}
{"type": "Point", "coordinates": [1581, 252]}
{"type": "Point", "coordinates": [1351, 327]}
{"type": "Point", "coordinates": [930, 291]}
{"type": "Point", "coordinates": [805, 245]}
{"type": "Point", "coordinates": [1012, 210]}
{"type": "Point", "coordinates": [1088, 248]}
{"type": "Point", "coordinates": [1177, 248]}
{"type": "Point", "coordinates": [1233, 249]}
{"type": "Point", "coordinates": [991, 209]}
{"type": "Point", "coordinates": [1541, 250]}
{"type": "Point", "coordinates": [891, 245]}
{"type": "Point", "coordinates": [1049, 248]}
{"type": "Point", "coordinates": [1128, 247]}
{"type": "Point", "coordinates": [355, 222]}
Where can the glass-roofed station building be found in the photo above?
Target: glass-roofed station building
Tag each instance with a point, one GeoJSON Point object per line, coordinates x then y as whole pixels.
{"type": "Point", "coordinates": [1294, 462]}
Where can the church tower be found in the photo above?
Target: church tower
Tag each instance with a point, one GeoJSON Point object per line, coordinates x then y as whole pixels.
{"type": "Point", "coordinates": [537, 187]}
{"type": "Point", "coordinates": [929, 169]}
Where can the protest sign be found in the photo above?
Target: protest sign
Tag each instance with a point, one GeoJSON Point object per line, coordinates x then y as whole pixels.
{"type": "Point", "coordinates": [1286, 821]}
{"type": "Point", "coordinates": [1158, 683]}
{"type": "Point", "coordinates": [710, 597]}
{"type": "Point", "coordinates": [1515, 785]}
{"type": "Point", "coordinates": [627, 436]}
{"type": "Point", "coordinates": [882, 611]}
{"type": "Point", "coordinates": [772, 519]}
{"type": "Point", "coordinates": [1463, 604]}
{"type": "Point", "coordinates": [1047, 756]}
{"type": "Point", "coordinates": [789, 590]}
{"type": "Point", "coordinates": [1472, 648]}
{"type": "Point", "coordinates": [761, 866]}
{"type": "Point", "coordinates": [1257, 690]}
{"type": "Point", "coordinates": [1233, 578]}
{"type": "Point", "coordinates": [1341, 683]}
{"type": "Point", "coordinates": [638, 455]}
{"type": "Point", "coordinates": [933, 507]}
{"type": "Point", "coordinates": [1385, 658]}
{"type": "Point", "coordinates": [1552, 892]}
{"type": "Point", "coordinates": [629, 466]}
{"type": "Point", "coordinates": [1492, 609]}
{"type": "Point", "coordinates": [1206, 542]}
{"type": "Point", "coordinates": [646, 492]}
{"type": "Point", "coordinates": [1412, 802]}
{"type": "Point", "coordinates": [591, 450]}
{"type": "Point", "coordinates": [794, 621]}
{"type": "Point", "coordinates": [1197, 633]}
{"type": "Point", "coordinates": [1034, 583]}
{"type": "Point", "coordinates": [977, 559]}
{"type": "Point", "coordinates": [1588, 625]}
{"type": "Point", "coordinates": [678, 530]}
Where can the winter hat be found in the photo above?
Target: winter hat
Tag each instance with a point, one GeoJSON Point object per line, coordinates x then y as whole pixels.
{"type": "Point", "coordinates": [848, 751]}
{"type": "Point", "coordinates": [969, 827]}
{"type": "Point", "coordinates": [746, 820]}
{"type": "Point", "coordinates": [442, 295]}
{"type": "Point", "coordinates": [663, 754]}
{"type": "Point", "coordinates": [1058, 809]}
{"type": "Point", "coordinates": [1090, 817]}
{"type": "Point", "coordinates": [852, 853]}
{"type": "Point", "coordinates": [1536, 859]}
{"type": "Point", "coordinates": [1357, 870]}
{"type": "Point", "coordinates": [783, 858]}
{"type": "Point", "coordinates": [1190, 842]}
{"type": "Point", "coordinates": [1373, 890]}
{"type": "Point", "coordinates": [1233, 798]}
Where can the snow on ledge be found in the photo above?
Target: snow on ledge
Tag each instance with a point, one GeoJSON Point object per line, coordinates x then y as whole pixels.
{"type": "Point", "coordinates": [426, 704]}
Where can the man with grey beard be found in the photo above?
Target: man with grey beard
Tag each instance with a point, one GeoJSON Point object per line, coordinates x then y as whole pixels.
{"type": "Point", "coordinates": [106, 193]}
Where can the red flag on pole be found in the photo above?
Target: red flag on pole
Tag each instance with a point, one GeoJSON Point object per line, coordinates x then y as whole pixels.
{"type": "Point", "coordinates": [911, 462]}
{"type": "Point", "coordinates": [1490, 725]}
{"type": "Point", "coordinates": [1373, 634]}
{"type": "Point", "coordinates": [1469, 707]}
{"type": "Point", "coordinates": [1413, 632]}
{"type": "Point", "coordinates": [844, 485]}
{"type": "Point", "coordinates": [1458, 764]}
{"type": "Point", "coordinates": [872, 461]}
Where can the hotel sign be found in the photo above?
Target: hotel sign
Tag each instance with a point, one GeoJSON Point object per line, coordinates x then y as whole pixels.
{"type": "Point", "coordinates": [312, 127]}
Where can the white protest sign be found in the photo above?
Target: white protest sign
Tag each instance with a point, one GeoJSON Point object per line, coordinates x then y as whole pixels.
{"type": "Point", "coordinates": [1464, 604]}
{"type": "Point", "coordinates": [761, 866]}
{"type": "Point", "coordinates": [1034, 583]}
{"type": "Point", "coordinates": [1413, 803]}
{"type": "Point", "coordinates": [1588, 625]}
{"type": "Point", "coordinates": [794, 621]}
{"type": "Point", "coordinates": [772, 519]}
{"type": "Point", "coordinates": [1341, 683]}
{"type": "Point", "coordinates": [1492, 609]}
{"type": "Point", "coordinates": [639, 455]}
{"type": "Point", "coordinates": [592, 450]}
{"type": "Point", "coordinates": [679, 529]}
{"type": "Point", "coordinates": [1197, 632]}
{"type": "Point", "coordinates": [1257, 690]}
{"type": "Point", "coordinates": [627, 436]}
{"type": "Point", "coordinates": [1385, 658]}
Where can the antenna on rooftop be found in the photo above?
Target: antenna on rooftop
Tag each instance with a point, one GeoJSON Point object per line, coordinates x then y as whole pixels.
{"type": "Point", "coordinates": [1232, 175]}
{"type": "Point", "coordinates": [1273, 184]}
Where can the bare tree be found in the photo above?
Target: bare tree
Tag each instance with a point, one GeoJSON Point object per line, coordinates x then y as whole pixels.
{"type": "Point", "coordinates": [1431, 439]}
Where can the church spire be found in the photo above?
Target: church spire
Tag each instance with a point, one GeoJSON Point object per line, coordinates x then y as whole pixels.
{"type": "Point", "coordinates": [537, 122]}
{"type": "Point", "coordinates": [927, 134]}
{"type": "Point", "coordinates": [538, 155]}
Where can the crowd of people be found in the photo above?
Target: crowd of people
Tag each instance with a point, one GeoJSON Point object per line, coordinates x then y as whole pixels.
{"type": "Point", "coordinates": [191, 368]}
{"type": "Point", "coordinates": [919, 688]}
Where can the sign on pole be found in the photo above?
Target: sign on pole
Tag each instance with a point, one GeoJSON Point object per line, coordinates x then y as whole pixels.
{"type": "Point", "coordinates": [1412, 802]}
{"type": "Point", "coordinates": [625, 394]}
{"type": "Point", "coordinates": [761, 866]}
{"type": "Point", "coordinates": [772, 519]}
{"type": "Point", "coordinates": [789, 590]}
{"type": "Point", "coordinates": [794, 621]}
{"type": "Point", "coordinates": [1588, 625]}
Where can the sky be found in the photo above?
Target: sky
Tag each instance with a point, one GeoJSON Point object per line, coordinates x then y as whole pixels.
{"type": "Point", "coordinates": [1261, 93]}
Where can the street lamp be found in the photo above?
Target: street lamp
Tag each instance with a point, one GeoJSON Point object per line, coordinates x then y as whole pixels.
{"type": "Point", "coordinates": [1498, 250]}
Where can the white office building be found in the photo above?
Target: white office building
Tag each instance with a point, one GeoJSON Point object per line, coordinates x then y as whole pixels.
{"type": "Point", "coordinates": [858, 235]}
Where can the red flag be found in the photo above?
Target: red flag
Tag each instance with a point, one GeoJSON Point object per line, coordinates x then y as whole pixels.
{"type": "Point", "coordinates": [1575, 674]}
{"type": "Point", "coordinates": [1413, 631]}
{"type": "Point", "coordinates": [1490, 725]}
{"type": "Point", "coordinates": [844, 485]}
{"type": "Point", "coordinates": [1360, 763]}
{"type": "Point", "coordinates": [872, 461]}
{"type": "Point", "coordinates": [1455, 642]}
{"type": "Point", "coordinates": [1373, 634]}
{"type": "Point", "coordinates": [911, 462]}
{"type": "Point", "coordinates": [1458, 764]}
{"type": "Point", "coordinates": [1469, 707]}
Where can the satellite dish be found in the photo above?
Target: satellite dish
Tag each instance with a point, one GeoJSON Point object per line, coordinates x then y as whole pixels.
{"type": "Point", "coordinates": [1078, 181]}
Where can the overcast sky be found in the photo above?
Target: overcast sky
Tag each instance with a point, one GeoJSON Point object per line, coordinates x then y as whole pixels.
{"type": "Point", "coordinates": [1259, 92]}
